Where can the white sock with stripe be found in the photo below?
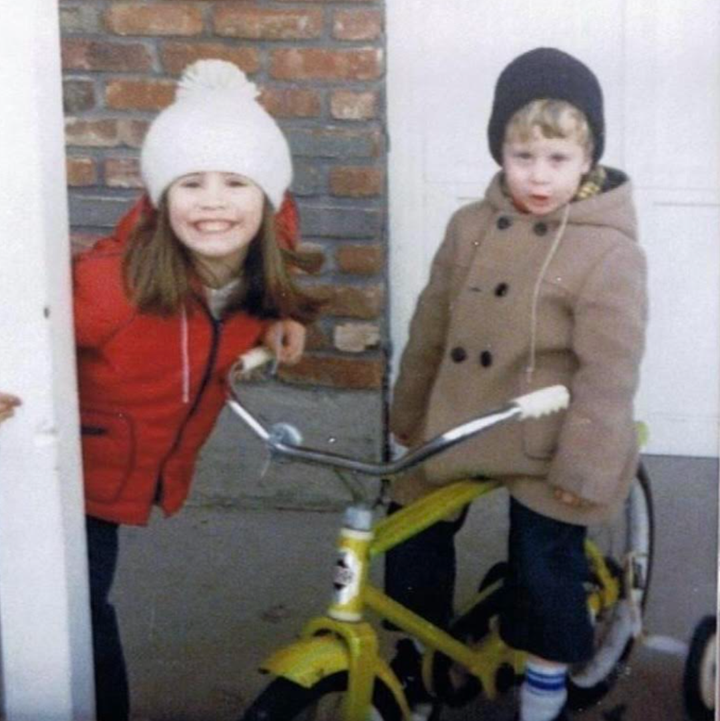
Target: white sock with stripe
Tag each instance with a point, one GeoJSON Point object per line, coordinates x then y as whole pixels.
{"type": "Point", "coordinates": [543, 692]}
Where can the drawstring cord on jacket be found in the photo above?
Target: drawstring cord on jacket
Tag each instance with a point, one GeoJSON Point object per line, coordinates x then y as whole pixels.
{"type": "Point", "coordinates": [530, 369]}
{"type": "Point", "coordinates": [185, 354]}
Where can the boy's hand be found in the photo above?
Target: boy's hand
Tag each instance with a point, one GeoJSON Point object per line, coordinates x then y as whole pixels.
{"type": "Point", "coordinates": [8, 403]}
{"type": "Point", "coordinates": [286, 339]}
{"type": "Point", "coordinates": [569, 499]}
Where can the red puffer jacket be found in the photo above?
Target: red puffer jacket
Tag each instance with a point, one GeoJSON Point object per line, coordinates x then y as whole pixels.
{"type": "Point", "coordinates": [151, 387]}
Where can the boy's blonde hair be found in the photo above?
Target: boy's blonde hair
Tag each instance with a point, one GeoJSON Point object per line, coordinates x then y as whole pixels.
{"type": "Point", "coordinates": [554, 119]}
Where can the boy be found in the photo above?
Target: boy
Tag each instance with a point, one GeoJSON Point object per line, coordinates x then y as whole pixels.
{"type": "Point", "coordinates": [540, 283]}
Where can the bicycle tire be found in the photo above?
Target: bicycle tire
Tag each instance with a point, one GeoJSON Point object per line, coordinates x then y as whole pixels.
{"type": "Point", "coordinates": [699, 678]}
{"type": "Point", "coordinates": [630, 536]}
{"type": "Point", "coordinates": [285, 700]}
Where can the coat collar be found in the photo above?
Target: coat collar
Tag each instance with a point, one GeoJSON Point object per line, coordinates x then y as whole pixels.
{"type": "Point", "coordinates": [612, 208]}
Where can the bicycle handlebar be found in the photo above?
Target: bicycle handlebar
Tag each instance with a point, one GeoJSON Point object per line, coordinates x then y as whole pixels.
{"type": "Point", "coordinates": [533, 405]}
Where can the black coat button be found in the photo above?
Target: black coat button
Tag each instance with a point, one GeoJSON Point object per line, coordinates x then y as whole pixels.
{"type": "Point", "coordinates": [486, 359]}
{"type": "Point", "coordinates": [540, 228]}
{"type": "Point", "coordinates": [503, 222]}
{"type": "Point", "coordinates": [501, 289]}
{"type": "Point", "coordinates": [458, 354]}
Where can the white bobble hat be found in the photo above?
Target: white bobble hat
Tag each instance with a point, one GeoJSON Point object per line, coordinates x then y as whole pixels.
{"type": "Point", "coordinates": [216, 124]}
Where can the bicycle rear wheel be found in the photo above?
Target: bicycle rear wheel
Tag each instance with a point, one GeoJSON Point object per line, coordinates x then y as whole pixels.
{"type": "Point", "coordinates": [285, 700]}
{"type": "Point", "coordinates": [699, 680]}
{"type": "Point", "coordinates": [627, 546]}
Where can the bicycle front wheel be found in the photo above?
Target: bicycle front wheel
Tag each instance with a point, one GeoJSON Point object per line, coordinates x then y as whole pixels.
{"type": "Point", "coordinates": [627, 546]}
{"type": "Point", "coordinates": [285, 700]}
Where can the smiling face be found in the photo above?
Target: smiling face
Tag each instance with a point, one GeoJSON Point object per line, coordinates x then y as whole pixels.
{"type": "Point", "coordinates": [216, 216]}
{"type": "Point", "coordinates": [543, 174]}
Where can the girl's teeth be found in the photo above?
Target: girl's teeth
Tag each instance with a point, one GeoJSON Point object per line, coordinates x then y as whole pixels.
{"type": "Point", "coordinates": [213, 226]}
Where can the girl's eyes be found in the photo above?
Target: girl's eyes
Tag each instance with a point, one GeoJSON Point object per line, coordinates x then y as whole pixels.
{"type": "Point", "coordinates": [558, 158]}
{"type": "Point", "coordinates": [230, 182]}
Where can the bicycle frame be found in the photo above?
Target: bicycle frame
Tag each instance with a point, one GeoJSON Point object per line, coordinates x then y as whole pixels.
{"type": "Point", "coordinates": [342, 640]}
{"type": "Point", "coordinates": [336, 642]}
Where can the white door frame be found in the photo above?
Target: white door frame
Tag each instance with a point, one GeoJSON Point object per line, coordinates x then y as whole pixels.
{"type": "Point", "coordinates": [44, 602]}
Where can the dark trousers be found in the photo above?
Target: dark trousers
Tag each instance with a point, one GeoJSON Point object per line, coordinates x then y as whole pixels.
{"type": "Point", "coordinates": [111, 684]}
{"type": "Point", "coordinates": [544, 604]}
{"type": "Point", "coordinates": [420, 573]}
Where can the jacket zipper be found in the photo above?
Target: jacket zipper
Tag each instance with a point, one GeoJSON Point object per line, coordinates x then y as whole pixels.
{"type": "Point", "coordinates": [216, 326]}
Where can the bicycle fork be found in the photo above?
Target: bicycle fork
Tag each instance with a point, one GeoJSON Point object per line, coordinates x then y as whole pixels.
{"type": "Point", "coordinates": [342, 640]}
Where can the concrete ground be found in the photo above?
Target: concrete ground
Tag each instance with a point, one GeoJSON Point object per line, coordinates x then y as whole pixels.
{"type": "Point", "coordinates": [203, 597]}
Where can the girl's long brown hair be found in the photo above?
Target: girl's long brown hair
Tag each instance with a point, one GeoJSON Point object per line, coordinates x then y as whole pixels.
{"type": "Point", "coordinates": [160, 274]}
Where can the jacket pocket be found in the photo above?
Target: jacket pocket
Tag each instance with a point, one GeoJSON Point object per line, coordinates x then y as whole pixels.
{"type": "Point", "coordinates": [108, 450]}
{"type": "Point", "coordinates": [541, 435]}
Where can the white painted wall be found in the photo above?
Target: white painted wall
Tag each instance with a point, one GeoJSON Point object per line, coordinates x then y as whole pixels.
{"type": "Point", "coordinates": [44, 620]}
{"type": "Point", "coordinates": [659, 65]}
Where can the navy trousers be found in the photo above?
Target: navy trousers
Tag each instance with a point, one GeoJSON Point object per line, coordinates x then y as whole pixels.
{"type": "Point", "coordinates": [112, 697]}
{"type": "Point", "coordinates": [544, 600]}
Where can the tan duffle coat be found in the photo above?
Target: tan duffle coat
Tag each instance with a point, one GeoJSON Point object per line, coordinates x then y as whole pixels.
{"type": "Point", "coordinates": [516, 302]}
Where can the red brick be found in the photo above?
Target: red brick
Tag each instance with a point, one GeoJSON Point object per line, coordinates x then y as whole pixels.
{"type": "Point", "coordinates": [291, 103]}
{"type": "Point", "coordinates": [122, 173]}
{"type": "Point", "coordinates": [357, 24]}
{"type": "Point", "coordinates": [356, 373]}
{"type": "Point", "coordinates": [79, 54]}
{"type": "Point", "coordinates": [91, 133]}
{"type": "Point", "coordinates": [78, 96]}
{"type": "Point", "coordinates": [322, 64]}
{"type": "Point", "coordinates": [176, 56]}
{"type": "Point", "coordinates": [349, 105]}
{"type": "Point", "coordinates": [360, 259]}
{"type": "Point", "coordinates": [81, 172]}
{"type": "Point", "coordinates": [132, 132]}
{"type": "Point", "coordinates": [134, 18]}
{"type": "Point", "coordinates": [139, 94]}
{"type": "Point", "coordinates": [253, 23]}
{"type": "Point", "coordinates": [317, 339]}
{"type": "Point", "coordinates": [364, 302]}
{"type": "Point", "coordinates": [356, 182]}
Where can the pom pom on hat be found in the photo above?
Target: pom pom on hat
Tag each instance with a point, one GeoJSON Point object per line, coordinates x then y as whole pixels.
{"type": "Point", "coordinates": [215, 75]}
{"type": "Point", "coordinates": [216, 124]}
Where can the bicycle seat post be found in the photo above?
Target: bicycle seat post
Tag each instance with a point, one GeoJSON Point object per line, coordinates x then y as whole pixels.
{"type": "Point", "coordinates": [351, 566]}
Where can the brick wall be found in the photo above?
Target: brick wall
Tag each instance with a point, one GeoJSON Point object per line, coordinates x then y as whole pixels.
{"type": "Point", "coordinates": [320, 66]}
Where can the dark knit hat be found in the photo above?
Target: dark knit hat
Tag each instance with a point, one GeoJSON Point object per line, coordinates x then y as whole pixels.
{"type": "Point", "coordinates": [552, 74]}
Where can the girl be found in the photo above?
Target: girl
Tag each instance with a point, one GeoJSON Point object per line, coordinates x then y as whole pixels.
{"type": "Point", "coordinates": [192, 277]}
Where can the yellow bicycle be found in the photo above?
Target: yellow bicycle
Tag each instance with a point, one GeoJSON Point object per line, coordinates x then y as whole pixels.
{"type": "Point", "coordinates": [335, 670]}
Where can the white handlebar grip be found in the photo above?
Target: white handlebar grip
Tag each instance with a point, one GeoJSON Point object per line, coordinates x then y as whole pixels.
{"type": "Point", "coordinates": [255, 358]}
{"type": "Point", "coordinates": [543, 402]}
